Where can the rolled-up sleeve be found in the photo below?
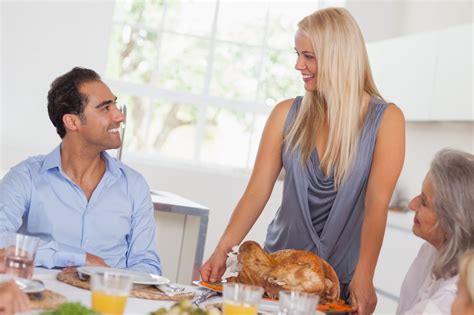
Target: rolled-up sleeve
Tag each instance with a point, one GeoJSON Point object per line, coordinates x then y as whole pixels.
{"type": "Point", "coordinates": [53, 254]}
{"type": "Point", "coordinates": [142, 254]}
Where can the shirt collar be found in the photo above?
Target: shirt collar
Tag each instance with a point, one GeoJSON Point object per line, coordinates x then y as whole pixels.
{"type": "Point", "coordinates": [53, 160]}
{"type": "Point", "coordinates": [113, 165]}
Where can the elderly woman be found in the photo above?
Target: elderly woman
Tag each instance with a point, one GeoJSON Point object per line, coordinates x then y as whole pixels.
{"type": "Point", "coordinates": [444, 218]}
{"type": "Point", "coordinates": [464, 302]}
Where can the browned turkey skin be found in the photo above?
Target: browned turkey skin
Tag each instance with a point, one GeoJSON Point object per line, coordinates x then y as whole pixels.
{"type": "Point", "coordinates": [288, 269]}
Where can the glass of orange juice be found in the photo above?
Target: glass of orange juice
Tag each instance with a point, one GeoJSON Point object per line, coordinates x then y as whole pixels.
{"type": "Point", "coordinates": [241, 299]}
{"type": "Point", "coordinates": [110, 291]}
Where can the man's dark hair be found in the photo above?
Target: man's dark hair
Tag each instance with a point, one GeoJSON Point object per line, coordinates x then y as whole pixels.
{"type": "Point", "coordinates": [64, 96]}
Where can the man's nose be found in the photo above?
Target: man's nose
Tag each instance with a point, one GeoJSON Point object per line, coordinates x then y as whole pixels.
{"type": "Point", "coordinates": [119, 115]}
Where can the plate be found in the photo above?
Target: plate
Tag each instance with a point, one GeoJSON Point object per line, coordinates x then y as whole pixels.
{"type": "Point", "coordinates": [268, 304]}
{"type": "Point", "coordinates": [214, 286]}
{"type": "Point", "coordinates": [138, 277]}
{"type": "Point", "coordinates": [27, 286]}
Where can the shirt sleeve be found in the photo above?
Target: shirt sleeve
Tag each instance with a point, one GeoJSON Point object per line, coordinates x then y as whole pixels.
{"type": "Point", "coordinates": [439, 303]}
{"type": "Point", "coordinates": [52, 254]}
{"type": "Point", "coordinates": [15, 202]}
{"type": "Point", "coordinates": [141, 253]}
{"type": "Point", "coordinates": [15, 191]}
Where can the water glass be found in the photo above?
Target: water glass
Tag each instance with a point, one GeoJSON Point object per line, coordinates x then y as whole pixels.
{"type": "Point", "coordinates": [297, 303]}
{"type": "Point", "coordinates": [241, 299]}
{"type": "Point", "coordinates": [19, 252]}
{"type": "Point", "coordinates": [3, 244]}
{"type": "Point", "coordinates": [110, 291]}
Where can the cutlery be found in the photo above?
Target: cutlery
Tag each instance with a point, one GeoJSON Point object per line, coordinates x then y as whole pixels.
{"type": "Point", "coordinates": [204, 296]}
{"type": "Point", "coordinates": [170, 289]}
{"type": "Point", "coordinates": [174, 287]}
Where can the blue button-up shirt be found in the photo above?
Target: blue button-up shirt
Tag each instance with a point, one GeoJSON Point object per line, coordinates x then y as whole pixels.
{"type": "Point", "coordinates": [116, 223]}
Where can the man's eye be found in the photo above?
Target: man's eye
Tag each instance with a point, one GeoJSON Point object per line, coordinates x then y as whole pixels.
{"type": "Point", "coordinates": [106, 108]}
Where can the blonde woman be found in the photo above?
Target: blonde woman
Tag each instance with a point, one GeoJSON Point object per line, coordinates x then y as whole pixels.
{"type": "Point", "coordinates": [444, 219]}
{"type": "Point", "coordinates": [342, 147]}
{"type": "Point", "coordinates": [464, 301]}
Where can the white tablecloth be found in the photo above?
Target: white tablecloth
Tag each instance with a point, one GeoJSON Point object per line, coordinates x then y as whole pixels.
{"type": "Point", "coordinates": [74, 294]}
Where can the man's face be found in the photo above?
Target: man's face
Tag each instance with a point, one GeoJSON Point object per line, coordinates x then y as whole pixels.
{"type": "Point", "coordinates": [101, 125]}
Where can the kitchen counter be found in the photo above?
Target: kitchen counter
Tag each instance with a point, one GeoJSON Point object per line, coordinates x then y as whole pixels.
{"type": "Point", "coordinates": [181, 235]}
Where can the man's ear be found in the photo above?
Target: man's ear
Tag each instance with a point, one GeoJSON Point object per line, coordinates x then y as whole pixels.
{"type": "Point", "coordinates": [71, 122]}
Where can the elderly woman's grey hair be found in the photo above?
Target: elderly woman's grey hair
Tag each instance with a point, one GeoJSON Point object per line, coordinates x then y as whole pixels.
{"type": "Point", "coordinates": [452, 177]}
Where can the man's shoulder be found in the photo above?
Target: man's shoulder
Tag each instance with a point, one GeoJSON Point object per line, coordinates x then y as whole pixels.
{"type": "Point", "coordinates": [130, 172]}
{"type": "Point", "coordinates": [30, 165]}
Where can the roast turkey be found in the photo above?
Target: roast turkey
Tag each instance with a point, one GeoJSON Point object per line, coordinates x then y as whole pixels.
{"type": "Point", "coordinates": [287, 269]}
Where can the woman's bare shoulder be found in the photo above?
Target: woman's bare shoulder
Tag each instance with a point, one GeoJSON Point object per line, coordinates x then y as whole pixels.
{"type": "Point", "coordinates": [393, 119]}
{"type": "Point", "coordinates": [277, 118]}
{"type": "Point", "coordinates": [281, 109]}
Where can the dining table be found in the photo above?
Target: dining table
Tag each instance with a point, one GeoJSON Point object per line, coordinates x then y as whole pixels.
{"type": "Point", "coordinates": [133, 306]}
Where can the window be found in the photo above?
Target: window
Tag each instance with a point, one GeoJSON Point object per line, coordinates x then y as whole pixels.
{"type": "Point", "coordinates": [200, 78]}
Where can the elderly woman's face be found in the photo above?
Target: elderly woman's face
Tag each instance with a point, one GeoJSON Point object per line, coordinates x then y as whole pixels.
{"type": "Point", "coordinates": [425, 218]}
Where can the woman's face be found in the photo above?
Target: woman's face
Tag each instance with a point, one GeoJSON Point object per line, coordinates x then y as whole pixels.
{"type": "Point", "coordinates": [462, 304]}
{"type": "Point", "coordinates": [306, 61]}
{"type": "Point", "coordinates": [425, 218]}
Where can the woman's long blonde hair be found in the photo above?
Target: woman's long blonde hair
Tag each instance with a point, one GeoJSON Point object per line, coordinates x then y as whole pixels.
{"type": "Point", "coordinates": [343, 74]}
{"type": "Point", "coordinates": [466, 273]}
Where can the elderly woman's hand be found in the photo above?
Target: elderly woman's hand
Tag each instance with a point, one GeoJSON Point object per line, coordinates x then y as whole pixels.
{"type": "Point", "coordinates": [12, 300]}
{"type": "Point", "coordinates": [362, 291]}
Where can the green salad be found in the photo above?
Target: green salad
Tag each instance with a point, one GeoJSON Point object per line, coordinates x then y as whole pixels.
{"type": "Point", "coordinates": [71, 309]}
{"type": "Point", "coordinates": [185, 308]}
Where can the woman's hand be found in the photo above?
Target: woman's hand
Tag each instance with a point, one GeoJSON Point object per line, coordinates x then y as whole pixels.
{"type": "Point", "coordinates": [214, 267]}
{"type": "Point", "coordinates": [362, 292]}
{"type": "Point", "coordinates": [12, 300]}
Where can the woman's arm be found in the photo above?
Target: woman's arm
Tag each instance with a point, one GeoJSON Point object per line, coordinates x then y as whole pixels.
{"type": "Point", "coordinates": [387, 163]}
{"type": "Point", "coordinates": [267, 166]}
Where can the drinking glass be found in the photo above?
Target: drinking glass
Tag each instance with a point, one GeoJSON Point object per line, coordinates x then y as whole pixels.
{"type": "Point", "coordinates": [241, 299]}
{"type": "Point", "coordinates": [297, 303]}
{"type": "Point", "coordinates": [3, 244]}
{"type": "Point", "coordinates": [110, 291]}
{"type": "Point", "coordinates": [20, 251]}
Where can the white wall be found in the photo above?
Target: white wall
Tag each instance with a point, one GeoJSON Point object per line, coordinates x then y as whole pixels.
{"type": "Point", "coordinates": [385, 19]}
{"type": "Point", "coordinates": [40, 41]}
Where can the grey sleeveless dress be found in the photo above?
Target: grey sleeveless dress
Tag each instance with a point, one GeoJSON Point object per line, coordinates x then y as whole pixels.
{"type": "Point", "coordinates": [313, 215]}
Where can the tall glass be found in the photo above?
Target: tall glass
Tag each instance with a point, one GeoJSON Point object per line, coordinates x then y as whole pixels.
{"type": "Point", "coordinates": [20, 254]}
{"type": "Point", "coordinates": [3, 244]}
{"type": "Point", "coordinates": [297, 303]}
{"type": "Point", "coordinates": [241, 299]}
{"type": "Point", "coordinates": [110, 291]}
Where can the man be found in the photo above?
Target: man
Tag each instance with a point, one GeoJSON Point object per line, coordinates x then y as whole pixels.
{"type": "Point", "coordinates": [87, 207]}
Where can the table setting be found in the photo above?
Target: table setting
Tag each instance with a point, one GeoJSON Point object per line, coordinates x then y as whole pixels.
{"type": "Point", "coordinates": [104, 290]}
